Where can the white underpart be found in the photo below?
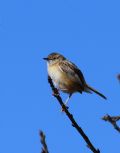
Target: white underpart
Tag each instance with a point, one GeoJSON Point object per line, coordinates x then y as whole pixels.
{"type": "Point", "coordinates": [54, 76]}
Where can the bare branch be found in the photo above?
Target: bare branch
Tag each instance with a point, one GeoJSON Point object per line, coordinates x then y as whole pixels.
{"type": "Point", "coordinates": [112, 120]}
{"type": "Point", "coordinates": [43, 142]}
{"type": "Point", "coordinates": [71, 118]}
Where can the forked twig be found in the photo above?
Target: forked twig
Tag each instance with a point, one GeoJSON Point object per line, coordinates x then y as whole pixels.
{"type": "Point", "coordinates": [112, 120]}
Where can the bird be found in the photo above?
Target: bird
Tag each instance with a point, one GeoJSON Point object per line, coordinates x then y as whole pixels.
{"type": "Point", "coordinates": [66, 76]}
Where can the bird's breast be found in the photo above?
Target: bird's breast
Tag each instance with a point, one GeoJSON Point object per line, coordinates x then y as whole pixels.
{"type": "Point", "coordinates": [55, 74]}
{"type": "Point", "coordinates": [62, 79]}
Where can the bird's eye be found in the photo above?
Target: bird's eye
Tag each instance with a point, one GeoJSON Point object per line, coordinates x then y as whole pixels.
{"type": "Point", "coordinates": [53, 58]}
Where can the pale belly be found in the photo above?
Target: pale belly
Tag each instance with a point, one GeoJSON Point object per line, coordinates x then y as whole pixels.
{"type": "Point", "coordinates": [62, 81]}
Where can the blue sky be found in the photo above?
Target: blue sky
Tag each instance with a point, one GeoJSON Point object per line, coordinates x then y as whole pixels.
{"type": "Point", "coordinates": [86, 32]}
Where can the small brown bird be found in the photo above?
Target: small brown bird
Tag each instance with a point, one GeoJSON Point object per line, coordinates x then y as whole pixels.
{"type": "Point", "coordinates": [66, 76]}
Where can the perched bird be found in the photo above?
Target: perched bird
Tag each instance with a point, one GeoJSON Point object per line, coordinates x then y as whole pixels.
{"type": "Point", "coordinates": [66, 76]}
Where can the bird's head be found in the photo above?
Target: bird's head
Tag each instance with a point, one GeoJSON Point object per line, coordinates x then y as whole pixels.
{"type": "Point", "coordinates": [54, 58]}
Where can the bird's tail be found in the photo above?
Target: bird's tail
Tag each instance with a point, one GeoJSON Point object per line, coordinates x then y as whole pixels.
{"type": "Point", "coordinates": [94, 90]}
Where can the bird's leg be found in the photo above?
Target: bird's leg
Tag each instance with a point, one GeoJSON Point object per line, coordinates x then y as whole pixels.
{"type": "Point", "coordinates": [66, 102]}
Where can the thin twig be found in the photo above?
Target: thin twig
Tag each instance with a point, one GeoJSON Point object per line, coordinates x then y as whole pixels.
{"type": "Point", "coordinates": [70, 116]}
{"type": "Point", "coordinates": [118, 77]}
{"type": "Point", "coordinates": [43, 142]}
{"type": "Point", "coordinates": [112, 120]}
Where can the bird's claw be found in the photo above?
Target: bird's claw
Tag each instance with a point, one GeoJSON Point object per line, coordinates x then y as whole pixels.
{"type": "Point", "coordinates": [62, 109]}
{"type": "Point", "coordinates": [56, 92]}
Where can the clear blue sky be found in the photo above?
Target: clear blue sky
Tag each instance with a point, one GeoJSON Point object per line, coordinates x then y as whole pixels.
{"type": "Point", "coordinates": [88, 33]}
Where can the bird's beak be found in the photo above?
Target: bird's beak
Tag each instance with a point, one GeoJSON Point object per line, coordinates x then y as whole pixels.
{"type": "Point", "coordinates": [45, 58]}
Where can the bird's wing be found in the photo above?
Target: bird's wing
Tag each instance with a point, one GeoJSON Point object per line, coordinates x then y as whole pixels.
{"type": "Point", "coordinates": [72, 72]}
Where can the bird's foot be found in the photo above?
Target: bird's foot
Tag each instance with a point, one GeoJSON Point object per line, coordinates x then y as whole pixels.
{"type": "Point", "coordinates": [56, 92]}
{"type": "Point", "coordinates": [63, 109]}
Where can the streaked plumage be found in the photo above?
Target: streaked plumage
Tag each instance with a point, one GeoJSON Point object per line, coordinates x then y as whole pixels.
{"type": "Point", "coordinates": [66, 76]}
